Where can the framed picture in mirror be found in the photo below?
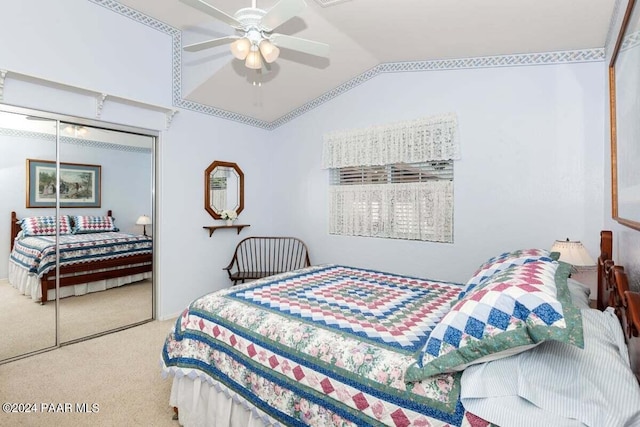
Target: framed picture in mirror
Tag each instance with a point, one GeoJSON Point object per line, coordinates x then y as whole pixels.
{"type": "Point", "coordinates": [79, 184]}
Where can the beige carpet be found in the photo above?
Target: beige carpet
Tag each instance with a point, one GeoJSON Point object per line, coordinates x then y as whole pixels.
{"type": "Point", "coordinates": [30, 326]}
{"type": "Point", "coordinates": [119, 372]}
{"type": "Point", "coordinates": [27, 326]}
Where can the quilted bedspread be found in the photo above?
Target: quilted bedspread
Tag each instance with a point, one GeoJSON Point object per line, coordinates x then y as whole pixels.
{"type": "Point", "coordinates": [323, 346]}
{"type": "Point", "coordinates": [38, 254]}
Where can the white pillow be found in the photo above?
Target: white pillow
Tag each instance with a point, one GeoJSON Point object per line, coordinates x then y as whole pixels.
{"type": "Point", "coordinates": [579, 293]}
{"type": "Point", "coordinates": [559, 384]}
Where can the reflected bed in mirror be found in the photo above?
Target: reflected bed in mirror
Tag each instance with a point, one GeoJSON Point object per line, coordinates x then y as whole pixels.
{"type": "Point", "coordinates": [91, 260]}
{"type": "Point", "coordinates": [223, 188]}
{"type": "Point", "coordinates": [624, 82]}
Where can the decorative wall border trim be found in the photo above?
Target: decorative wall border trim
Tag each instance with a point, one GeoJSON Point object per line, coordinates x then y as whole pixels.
{"type": "Point", "coordinates": [545, 58]}
{"type": "Point", "coordinates": [3, 75]}
{"type": "Point", "coordinates": [223, 114]}
{"type": "Point", "coordinates": [72, 141]}
{"type": "Point", "coordinates": [104, 145]}
{"type": "Point", "coordinates": [549, 58]}
{"type": "Point", "coordinates": [630, 41]}
{"type": "Point", "coordinates": [137, 16]}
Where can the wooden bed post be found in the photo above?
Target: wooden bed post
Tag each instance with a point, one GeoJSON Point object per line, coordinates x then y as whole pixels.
{"type": "Point", "coordinates": [15, 228]}
{"type": "Point", "coordinates": [606, 249]}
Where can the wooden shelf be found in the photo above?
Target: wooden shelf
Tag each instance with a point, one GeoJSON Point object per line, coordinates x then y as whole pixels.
{"type": "Point", "coordinates": [213, 228]}
{"type": "Point", "coordinates": [99, 96]}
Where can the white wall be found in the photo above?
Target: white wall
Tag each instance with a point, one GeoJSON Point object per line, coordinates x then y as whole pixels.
{"type": "Point", "coordinates": [530, 171]}
{"type": "Point", "coordinates": [191, 262]}
{"type": "Point", "coordinates": [83, 44]}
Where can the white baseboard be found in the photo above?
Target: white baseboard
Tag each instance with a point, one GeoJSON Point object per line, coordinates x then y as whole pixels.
{"type": "Point", "coordinates": [170, 316]}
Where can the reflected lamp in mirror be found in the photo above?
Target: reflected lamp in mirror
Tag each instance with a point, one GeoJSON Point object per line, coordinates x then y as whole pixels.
{"type": "Point", "coordinates": [573, 252]}
{"type": "Point", "coordinates": [143, 220]}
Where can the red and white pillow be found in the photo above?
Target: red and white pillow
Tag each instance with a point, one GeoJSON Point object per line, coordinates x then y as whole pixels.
{"type": "Point", "coordinates": [93, 224]}
{"type": "Point", "coordinates": [45, 225]}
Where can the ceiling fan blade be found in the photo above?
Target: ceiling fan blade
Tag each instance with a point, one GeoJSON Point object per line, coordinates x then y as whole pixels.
{"type": "Point", "coordinates": [196, 47]}
{"type": "Point", "coordinates": [281, 13]}
{"type": "Point", "coordinates": [301, 45]}
{"type": "Point", "coordinates": [212, 11]}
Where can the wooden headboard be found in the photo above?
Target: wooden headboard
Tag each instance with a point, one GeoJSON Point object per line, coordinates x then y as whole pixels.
{"type": "Point", "coordinates": [15, 226]}
{"type": "Point", "coordinates": [613, 291]}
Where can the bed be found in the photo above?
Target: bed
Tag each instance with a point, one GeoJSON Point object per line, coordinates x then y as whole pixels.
{"type": "Point", "coordinates": [94, 255]}
{"type": "Point", "coordinates": [335, 345]}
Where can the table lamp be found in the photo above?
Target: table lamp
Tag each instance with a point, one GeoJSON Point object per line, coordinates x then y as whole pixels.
{"type": "Point", "coordinates": [143, 220]}
{"type": "Point", "coordinates": [583, 267]}
{"type": "Point", "coordinates": [573, 252]}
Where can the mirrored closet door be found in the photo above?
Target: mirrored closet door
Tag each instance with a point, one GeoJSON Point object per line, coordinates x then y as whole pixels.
{"type": "Point", "coordinates": [98, 181]}
{"type": "Point", "coordinates": [27, 326]}
{"type": "Point", "coordinates": [106, 189]}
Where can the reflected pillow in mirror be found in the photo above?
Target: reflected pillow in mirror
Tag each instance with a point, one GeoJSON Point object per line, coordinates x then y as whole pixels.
{"type": "Point", "coordinates": [83, 224]}
{"type": "Point", "coordinates": [44, 225]}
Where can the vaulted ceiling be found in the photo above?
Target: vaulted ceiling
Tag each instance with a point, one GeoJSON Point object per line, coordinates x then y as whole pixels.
{"type": "Point", "coordinates": [363, 34]}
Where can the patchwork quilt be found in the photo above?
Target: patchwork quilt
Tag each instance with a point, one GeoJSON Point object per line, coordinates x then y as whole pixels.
{"type": "Point", "coordinates": [38, 253]}
{"type": "Point", "coordinates": [324, 346]}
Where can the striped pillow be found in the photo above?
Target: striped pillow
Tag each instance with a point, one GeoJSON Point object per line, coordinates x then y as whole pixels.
{"type": "Point", "coordinates": [44, 225]}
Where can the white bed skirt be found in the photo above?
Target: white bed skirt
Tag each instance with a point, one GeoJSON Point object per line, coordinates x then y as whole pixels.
{"type": "Point", "coordinates": [29, 284]}
{"type": "Point", "coordinates": [205, 402]}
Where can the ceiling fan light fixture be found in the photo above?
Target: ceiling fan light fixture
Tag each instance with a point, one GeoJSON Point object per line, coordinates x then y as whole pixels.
{"type": "Point", "coordinates": [269, 51]}
{"type": "Point", "coordinates": [241, 48]}
{"type": "Point", "coordinates": [254, 61]}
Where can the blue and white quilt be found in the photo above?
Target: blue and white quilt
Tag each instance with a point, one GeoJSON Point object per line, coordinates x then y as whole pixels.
{"type": "Point", "coordinates": [37, 254]}
{"type": "Point", "coordinates": [323, 346]}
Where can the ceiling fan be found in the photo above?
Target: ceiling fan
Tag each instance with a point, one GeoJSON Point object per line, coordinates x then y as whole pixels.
{"type": "Point", "coordinates": [256, 40]}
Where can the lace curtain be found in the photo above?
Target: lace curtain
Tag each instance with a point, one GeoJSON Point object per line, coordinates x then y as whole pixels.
{"type": "Point", "coordinates": [415, 211]}
{"type": "Point", "coordinates": [415, 141]}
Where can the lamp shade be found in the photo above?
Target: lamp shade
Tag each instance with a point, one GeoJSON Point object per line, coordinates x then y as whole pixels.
{"type": "Point", "coordinates": [269, 51]}
{"type": "Point", "coordinates": [143, 220]}
{"type": "Point", "coordinates": [241, 48]}
{"type": "Point", "coordinates": [253, 60]}
{"type": "Point", "coordinates": [573, 252]}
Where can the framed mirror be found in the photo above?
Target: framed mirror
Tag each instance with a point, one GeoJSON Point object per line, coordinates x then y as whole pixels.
{"type": "Point", "coordinates": [223, 188]}
{"type": "Point", "coordinates": [624, 84]}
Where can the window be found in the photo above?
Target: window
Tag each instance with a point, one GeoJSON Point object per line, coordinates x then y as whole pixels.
{"type": "Point", "coordinates": [397, 173]}
{"type": "Point", "coordinates": [393, 181]}
{"type": "Point", "coordinates": [403, 200]}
